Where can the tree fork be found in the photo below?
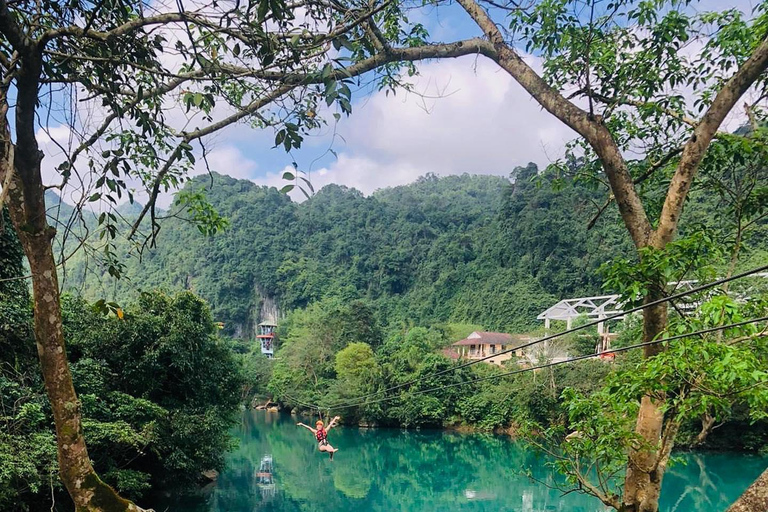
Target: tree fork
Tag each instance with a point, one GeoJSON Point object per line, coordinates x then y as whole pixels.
{"type": "Point", "coordinates": [646, 463]}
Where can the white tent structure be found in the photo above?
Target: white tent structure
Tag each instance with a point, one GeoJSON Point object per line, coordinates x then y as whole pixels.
{"type": "Point", "coordinates": [603, 306]}
{"type": "Point", "coordinates": [596, 308]}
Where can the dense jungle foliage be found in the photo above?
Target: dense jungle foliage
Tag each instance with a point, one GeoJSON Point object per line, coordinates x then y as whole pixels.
{"type": "Point", "coordinates": [474, 249]}
{"type": "Point", "coordinates": [158, 387]}
{"type": "Point", "coordinates": [370, 289]}
{"type": "Point", "coordinates": [387, 281]}
{"type": "Point", "coordinates": [480, 249]}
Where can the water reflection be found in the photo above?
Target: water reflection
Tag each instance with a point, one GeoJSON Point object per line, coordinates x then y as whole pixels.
{"type": "Point", "coordinates": [264, 478]}
{"type": "Point", "coordinates": [278, 468]}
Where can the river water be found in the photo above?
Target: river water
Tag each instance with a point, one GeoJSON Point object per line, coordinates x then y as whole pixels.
{"type": "Point", "coordinates": [277, 468]}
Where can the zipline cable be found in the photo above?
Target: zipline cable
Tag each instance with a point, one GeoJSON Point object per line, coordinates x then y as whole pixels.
{"type": "Point", "coordinates": [570, 360]}
{"type": "Point", "coordinates": [575, 329]}
{"type": "Point", "coordinates": [308, 406]}
{"type": "Point", "coordinates": [299, 402]}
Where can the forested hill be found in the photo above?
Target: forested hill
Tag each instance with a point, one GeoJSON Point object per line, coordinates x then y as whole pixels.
{"type": "Point", "coordinates": [481, 249]}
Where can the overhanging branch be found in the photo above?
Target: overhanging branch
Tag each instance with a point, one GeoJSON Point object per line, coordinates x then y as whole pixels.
{"type": "Point", "coordinates": [591, 128]}
{"type": "Point", "coordinates": [291, 81]}
{"type": "Point", "coordinates": [703, 133]}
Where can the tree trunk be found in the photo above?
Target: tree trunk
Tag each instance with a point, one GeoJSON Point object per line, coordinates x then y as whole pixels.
{"type": "Point", "coordinates": [26, 204]}
{"type": "Point", "coordinates": [646, 464]}
{"type": "Point", "coordinates": [707, 422]}
{"type": "Point", "coordinates": [642, 484]}
{"type": "Point", "coordinates": [755, 498]}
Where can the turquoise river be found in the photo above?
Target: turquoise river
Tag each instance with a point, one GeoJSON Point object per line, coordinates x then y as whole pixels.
{"type": "Point", "coordinates": [277, 468]}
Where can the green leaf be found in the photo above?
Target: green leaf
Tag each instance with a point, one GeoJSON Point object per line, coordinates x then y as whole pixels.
{"type": "Point", "coordinates": [309, 184]}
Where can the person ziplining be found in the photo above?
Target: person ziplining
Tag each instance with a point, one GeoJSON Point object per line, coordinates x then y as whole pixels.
{"type": "Point", "coordinates": [321, 434]}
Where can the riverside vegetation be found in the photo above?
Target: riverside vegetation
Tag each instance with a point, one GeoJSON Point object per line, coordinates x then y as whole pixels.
{"type": "Point", "coordinates": [374, 287]}
{"type": "Point", "coordinates": [646, 86]}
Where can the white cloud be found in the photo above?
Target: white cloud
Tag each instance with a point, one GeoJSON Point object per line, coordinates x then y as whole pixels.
{"type": "Point", "coordinates": [467, 115]}
{"type": "Point", "coordinates": [361, 173]}
{"type": "Point", "coordinates": [227, 159]}
{"type": "Point", "coordinates": [485, 123]}
{"type": "Point", "coordinates": [470, 117]}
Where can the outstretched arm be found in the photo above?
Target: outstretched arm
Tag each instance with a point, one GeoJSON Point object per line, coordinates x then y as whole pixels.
{"type": "Point", "coordinates": [306, 427]}
{"type": "Point", "coordinates": [332, 423]}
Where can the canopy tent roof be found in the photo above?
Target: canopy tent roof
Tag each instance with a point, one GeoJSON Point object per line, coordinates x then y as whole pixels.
{"type": "Point", "coordinates": [593, 307]}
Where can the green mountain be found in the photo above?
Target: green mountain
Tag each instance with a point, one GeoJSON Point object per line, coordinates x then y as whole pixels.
{"type": "Point", "coordinates": [483, 249]}
{"type": "Point", "coordinates": [56, 208]}
{"type": "Point", "coordinates": [128, 209]}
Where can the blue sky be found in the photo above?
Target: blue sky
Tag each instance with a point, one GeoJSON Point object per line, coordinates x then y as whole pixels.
{"type": "Point", "coordinates": [466, 116]}
{"type": "Point", "coordinates": [483, 123]}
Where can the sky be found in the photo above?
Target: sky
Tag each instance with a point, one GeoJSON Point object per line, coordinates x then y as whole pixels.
{"type": "Point", "coordinates": [471, 118]}
{"type": "Point", "coordinates": [464, 116]}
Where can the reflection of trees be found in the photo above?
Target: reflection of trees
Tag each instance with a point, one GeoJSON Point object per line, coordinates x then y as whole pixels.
{"type": "Point", "coordinates": [392, 470]}
{"type": "Point", "coordinates": [297, 462]}
{"type": "Point", "coordinates": [242, 486]}
{"type": "Point", "coordinates": [425, 471]}
{"type": "Point", "coordinates": [352, 482]}
{"type": "Point", "coordinates": [709, 485]}
{"type": "Point", "coordinates": [696, 489]}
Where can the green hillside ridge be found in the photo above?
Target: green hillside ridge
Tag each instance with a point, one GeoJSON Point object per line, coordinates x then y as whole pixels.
{"type": "Point", "coordinates": [477, 249]}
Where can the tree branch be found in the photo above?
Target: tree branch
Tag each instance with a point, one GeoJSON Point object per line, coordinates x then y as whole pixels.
{"type": "Point", "coordinates": [636, 103]}
{"type": "Point", "coordinates": [655, 166]}
{"type": "Point", "coordinates": [188, 137]}
{"type": "Point", "coordinates": [589, 127]}
{"type": "Point", "coordinates": [14, 33]}
{"type": "Point", "coordinates": [7, 168]}
{"type": "Point", "coordinates": [410, 54]}
{"type": "Point", "coordinates": [694, 149]}
{"type": "Point", "coordinates": [608, 499]}
{"type": "Point", "coordinates": [125, 28]}
{"type": "Point", "coordinates": [599, 213]}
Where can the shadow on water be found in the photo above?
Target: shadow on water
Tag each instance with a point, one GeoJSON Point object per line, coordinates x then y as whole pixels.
{"type": "Point", "coordinates": [277, 468]}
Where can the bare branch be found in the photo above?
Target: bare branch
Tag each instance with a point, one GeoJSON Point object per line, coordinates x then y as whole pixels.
{"type": "Point", "coordinates": [291, 81]}
{"type": "Point", "coordinates": [7, 168]}
{"type": "Point", "coordinates": [599, 213]}
{"type": "Point", "coordinates": [750, 111]}
{"type": "Point", "coordinates": [124, 29]}
{"type": "Point", "coordinates": [630, 102]}
{"type": "Point", "coordinates": [655, 166]}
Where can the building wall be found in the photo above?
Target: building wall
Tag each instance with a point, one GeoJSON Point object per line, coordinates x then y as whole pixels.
{"type": "Point", "coordinates": [484, 350]}
{"type": "Point", "coordinates": [498, 359]}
